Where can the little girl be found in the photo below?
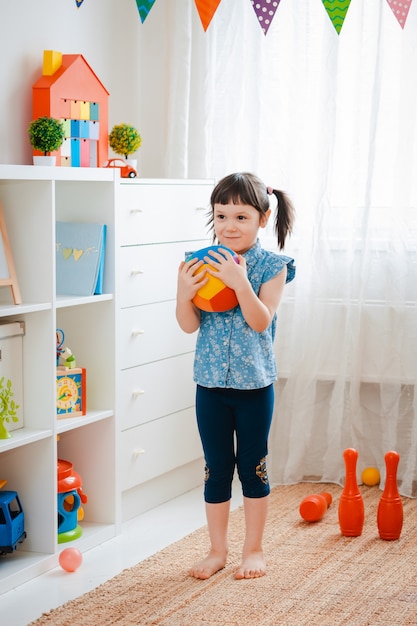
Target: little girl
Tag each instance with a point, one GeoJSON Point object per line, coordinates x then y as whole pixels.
{"type": "Point", "coordinates": [234, 366]}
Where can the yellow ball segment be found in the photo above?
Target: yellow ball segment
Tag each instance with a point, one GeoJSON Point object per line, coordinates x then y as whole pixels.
{"type": "Point", "coordinates": [371, 476]}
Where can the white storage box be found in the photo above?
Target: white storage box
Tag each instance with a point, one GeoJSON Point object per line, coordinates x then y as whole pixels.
{"type": "Point", "coordinates": [11, 365]}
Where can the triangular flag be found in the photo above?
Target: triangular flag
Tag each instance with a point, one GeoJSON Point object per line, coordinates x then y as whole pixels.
{"type": "Point", "coordinates": [265, 11]}
{"type": "Point", "coordinates": [206, 9]}
{"type": "Point", "coordinates": [400, 8]}
{"type": "Point", "coordinates": [337, 10]}
{"type": "Point", "coordinates": [144, 6]}
{"type": "Point", "coordinates": [79, 3]}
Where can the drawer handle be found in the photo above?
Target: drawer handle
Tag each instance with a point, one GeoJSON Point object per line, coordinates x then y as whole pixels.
{"type": "Point", "coordinates": [201, 208]}
{"type": "Point", "coordinates": [137, 452]}
{"type": "Point", "coordinates": [136, 211]}
{"type": "Point", "coordinates": [135, 333]}
{"type": "Point", "coordinates": [137, 392]}
{"type": "Point", "coordinates": [136, 272]}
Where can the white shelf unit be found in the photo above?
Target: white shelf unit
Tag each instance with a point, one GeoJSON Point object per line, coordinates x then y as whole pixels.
{"type": "Point", "coordinates": [133, 450]}
{"type": "Point", "coordinates": [33, 198]}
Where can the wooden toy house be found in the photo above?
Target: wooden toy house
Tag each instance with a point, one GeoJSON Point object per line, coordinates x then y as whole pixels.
{"type": "Point", "coordinates": [69, 90]}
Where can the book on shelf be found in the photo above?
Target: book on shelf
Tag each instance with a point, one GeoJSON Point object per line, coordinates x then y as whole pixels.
{"type": "Point", "coordinates": [80, 254]}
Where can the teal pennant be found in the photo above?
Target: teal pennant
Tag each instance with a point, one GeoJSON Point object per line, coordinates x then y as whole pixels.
{"type": "Point", "coordinates": [337, 10]}
{"type": "Point", "coordinates": [144, 6]}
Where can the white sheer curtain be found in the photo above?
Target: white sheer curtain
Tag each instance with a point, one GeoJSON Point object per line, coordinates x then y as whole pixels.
{"type": "Point", "coordinates": [332, 120]}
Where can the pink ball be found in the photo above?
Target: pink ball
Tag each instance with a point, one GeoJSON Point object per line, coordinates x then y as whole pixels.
{"type": "Point", "coordinates": [70, 559]}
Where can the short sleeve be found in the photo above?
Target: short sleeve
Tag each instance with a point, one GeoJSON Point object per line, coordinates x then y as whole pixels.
{"type": "Point", "coordinates": [276, 264]}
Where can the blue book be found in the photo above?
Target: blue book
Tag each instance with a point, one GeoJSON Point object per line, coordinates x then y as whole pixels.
{"type": "Point", "coordinates": [80, 253]}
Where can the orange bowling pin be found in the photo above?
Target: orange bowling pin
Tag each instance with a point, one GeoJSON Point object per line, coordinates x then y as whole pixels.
{"type": "Point", "coordinates": [390, 508]}
{"type": "Point", "coordinates": [351, 509]}
{"type": "Point", "coordinates": [313, 507]}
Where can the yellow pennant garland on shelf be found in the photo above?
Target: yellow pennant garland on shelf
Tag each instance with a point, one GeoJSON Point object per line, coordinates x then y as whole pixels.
{"type": "Point", "coordinates": [265, 11]}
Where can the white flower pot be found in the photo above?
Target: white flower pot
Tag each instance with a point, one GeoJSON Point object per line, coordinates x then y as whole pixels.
{"type": "Point", "coordinates": [132, 163]}
{"type": "Point", "coordinates": [44, 160]}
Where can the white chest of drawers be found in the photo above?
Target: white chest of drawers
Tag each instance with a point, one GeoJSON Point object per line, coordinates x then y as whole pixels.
{"type": "Point", "coordinates": [160, 453]}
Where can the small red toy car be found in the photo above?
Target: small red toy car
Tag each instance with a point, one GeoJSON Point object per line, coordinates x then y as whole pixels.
{"type": "Point", "coordinates": [126, 170]}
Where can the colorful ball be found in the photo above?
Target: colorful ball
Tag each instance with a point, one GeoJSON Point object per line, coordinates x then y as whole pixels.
{"type": "Point", "coordinates": [214, 296]}
{"type": "Point", "coordinates": [370, 476]}
{"type": "Point", "coordinates": [70, 559]}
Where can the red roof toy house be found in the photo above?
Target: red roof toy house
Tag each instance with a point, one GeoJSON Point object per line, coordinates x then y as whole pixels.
{"type": "Point", "coordinates": [70, 91]}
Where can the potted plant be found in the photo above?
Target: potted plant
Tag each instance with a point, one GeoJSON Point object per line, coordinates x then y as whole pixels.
{"type": "Point", "coordinates": [8, 407]}
{"type": "Point", "coordinates": [46, 135]}
{"type": "Point", "coordinates": [125, 140]}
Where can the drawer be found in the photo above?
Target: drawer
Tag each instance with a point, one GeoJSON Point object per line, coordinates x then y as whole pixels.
{"type": "Point", "coordinates": [150, 333]}
{"type": "Point", "coordinates": [162, 212]}
{"type": "Point", "coordinates": [151, 391]}
{"type": "Point", "coordinates": [153, 449]}
{"type": "Point", "coordinates": [149, 273]}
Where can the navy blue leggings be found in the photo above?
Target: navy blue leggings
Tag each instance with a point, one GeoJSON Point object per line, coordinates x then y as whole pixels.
{"type": "Point", "coordinates": [222, 414]}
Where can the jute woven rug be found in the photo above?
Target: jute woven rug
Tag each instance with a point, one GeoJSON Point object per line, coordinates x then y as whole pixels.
{"type": "Point", "coordinates": [315, 576]}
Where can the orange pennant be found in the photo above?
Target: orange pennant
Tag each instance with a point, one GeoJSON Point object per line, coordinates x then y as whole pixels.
{"type": "Point", "coordinates": [206, 9]}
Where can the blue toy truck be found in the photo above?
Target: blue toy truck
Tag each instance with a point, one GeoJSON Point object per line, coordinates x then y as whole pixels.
{"type": "Point", "coordinates": [12, 522]}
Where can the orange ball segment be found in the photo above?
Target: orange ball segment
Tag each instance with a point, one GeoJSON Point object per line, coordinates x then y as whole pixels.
{"type": "Point", "coordinates": [70, 559]}
{"type": "Point", "coordinates": [214, 296]}
{"type": "Point", "coordinates": [370, 476]}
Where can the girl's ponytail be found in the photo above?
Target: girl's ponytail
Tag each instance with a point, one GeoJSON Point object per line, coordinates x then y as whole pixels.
{"type": "Point", "coordinates": [284, 216]}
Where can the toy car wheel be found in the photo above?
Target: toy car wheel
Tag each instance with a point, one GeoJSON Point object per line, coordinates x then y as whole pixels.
{"type": "Point", "coordinates": [132, 174]}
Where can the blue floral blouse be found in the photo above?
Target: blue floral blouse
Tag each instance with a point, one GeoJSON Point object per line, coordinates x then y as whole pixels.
{"type": "Point", "coordinates": [230, 354]}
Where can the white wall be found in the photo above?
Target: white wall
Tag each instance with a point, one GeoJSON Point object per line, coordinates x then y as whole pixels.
{"type": "Point", "coordinates": [105, 32]}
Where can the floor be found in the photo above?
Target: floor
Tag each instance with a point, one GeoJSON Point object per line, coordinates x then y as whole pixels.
{"type": "Point", "coordinates": [141, 537]}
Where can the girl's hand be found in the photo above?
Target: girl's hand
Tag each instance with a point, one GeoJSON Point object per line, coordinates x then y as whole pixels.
{"type": "Point", "coordinates": [189, 282]}
{"type": "Point", "coordinates": [226, 268]}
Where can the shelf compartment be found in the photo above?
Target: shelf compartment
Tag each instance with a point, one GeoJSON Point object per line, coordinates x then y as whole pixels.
{"type": "Point", "coordinates": [71, 423]}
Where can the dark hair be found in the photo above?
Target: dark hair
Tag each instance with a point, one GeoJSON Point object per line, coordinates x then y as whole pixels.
{"type": "Point", "coordinates": [246, 188]}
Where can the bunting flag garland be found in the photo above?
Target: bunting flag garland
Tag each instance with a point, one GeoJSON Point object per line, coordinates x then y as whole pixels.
{"type": "Point", "coordinates": [400, 8]}
{"type": "Point", "coordinates": [144, 6]}
{"type": "Point", "coordinates": [265, 11]}
{"type": "Point", "coordinates": [79, 3]}
{"type": "Point", "coordinates": [337, 10]}
{"type": "Point", "coordinates": [206, 9]}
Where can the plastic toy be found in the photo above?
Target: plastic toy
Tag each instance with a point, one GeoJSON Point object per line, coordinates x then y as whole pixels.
{"type": "Point", "coordinates": [351, 510]}
{"type": "Point", "coordinates": [126, 170]}
{"type": "Point", "coordinates": [12, 521]}
{"type": "Point", "coordinates": [390, 508]}
{"type": "Point", "coordinates": [370, 476]}
{"type": "Point", "coordinates": [214, 296]}
{"type": "Point", "coordinates": [313, 507]}
{"type": "Point", "coordinates": [70, 559]}
{"type": "Point", "coordinates": [70, 497]}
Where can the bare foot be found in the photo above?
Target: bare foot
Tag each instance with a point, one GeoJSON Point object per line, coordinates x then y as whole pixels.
{"type": "Point", "coordinates": [253, 566]}
{"type": "Point", "coordinates": [210, 565]}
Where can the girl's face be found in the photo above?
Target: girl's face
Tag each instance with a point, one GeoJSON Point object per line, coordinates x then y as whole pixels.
{"type": "Point", "coordinates": [236, 225]}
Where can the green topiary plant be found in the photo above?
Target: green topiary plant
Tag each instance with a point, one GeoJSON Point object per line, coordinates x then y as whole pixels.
{"type": "Point", "coordinates": [46, 134]}
{"type": "Point", "coordinates": [124, 140]}
{"type": "Point", "coordinates": [8, 408]}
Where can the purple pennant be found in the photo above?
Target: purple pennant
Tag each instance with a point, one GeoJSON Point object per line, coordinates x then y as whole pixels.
{"type": "Point", "coordinates": [265, 11]}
